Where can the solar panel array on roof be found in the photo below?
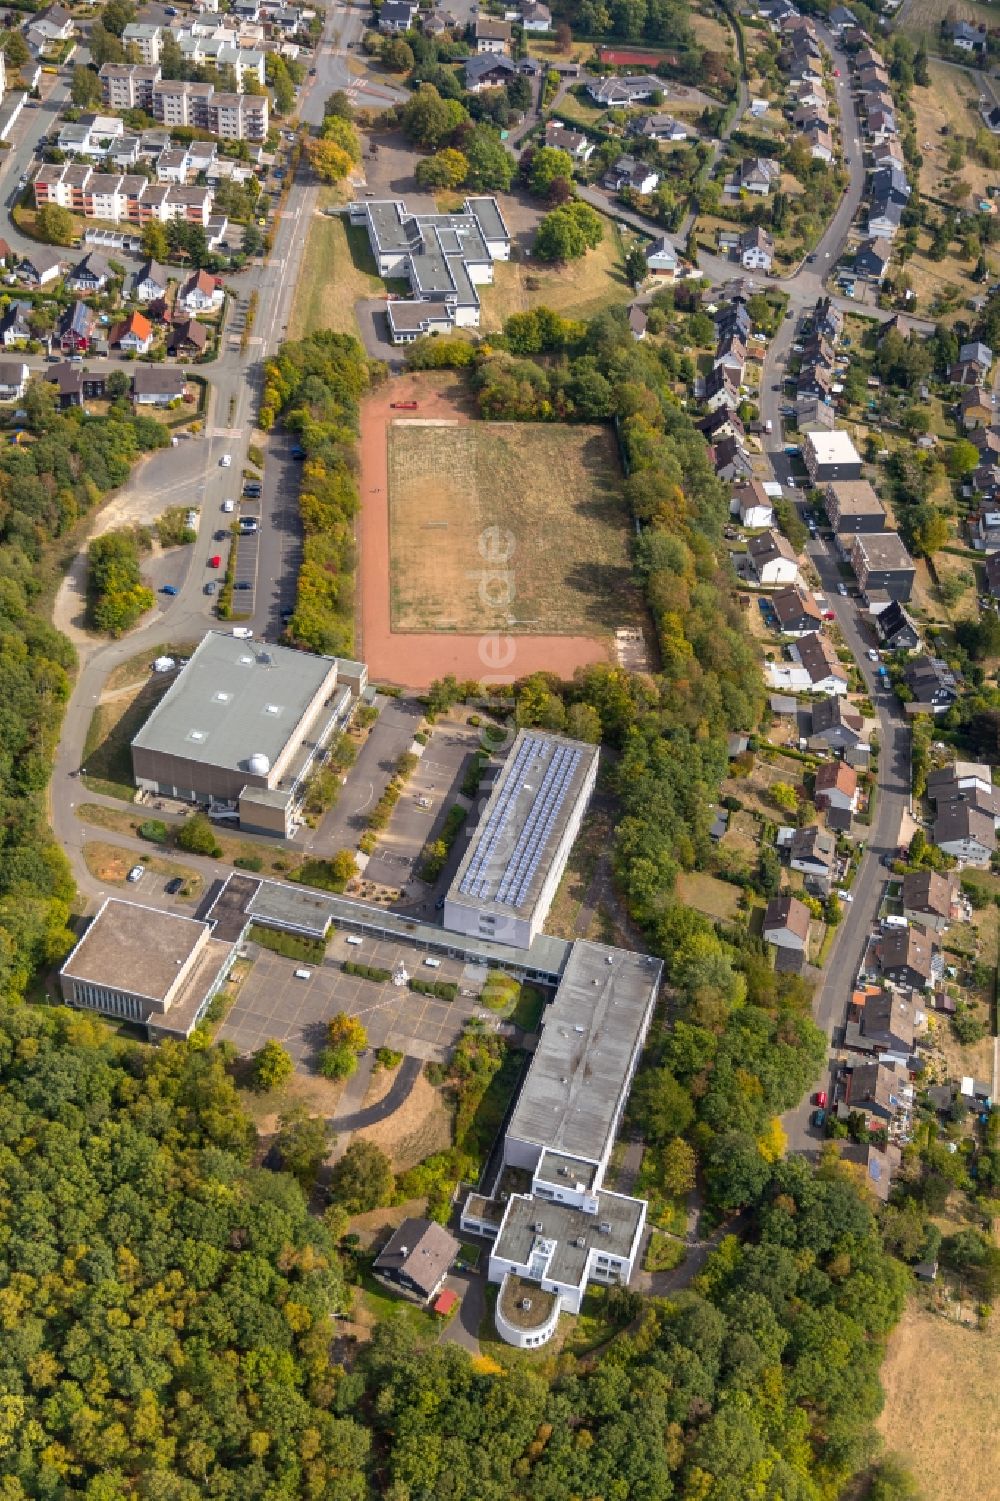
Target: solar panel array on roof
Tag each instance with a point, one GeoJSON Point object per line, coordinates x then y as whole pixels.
{"type": "Point", "coordinates": [519, 871]}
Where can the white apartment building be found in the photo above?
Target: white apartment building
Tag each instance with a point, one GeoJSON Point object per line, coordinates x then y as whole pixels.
{"type": "Point", "coordinates": [148, 40]}
{"type": "Point", "coordinates": [128, 85]}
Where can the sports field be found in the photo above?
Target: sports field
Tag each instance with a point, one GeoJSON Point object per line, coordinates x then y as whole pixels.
{"type": "Point", "coordinates": [507, 525]}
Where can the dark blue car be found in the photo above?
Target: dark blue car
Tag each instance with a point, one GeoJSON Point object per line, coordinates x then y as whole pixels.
{"type": "Point", "coordinates": [169, 589]}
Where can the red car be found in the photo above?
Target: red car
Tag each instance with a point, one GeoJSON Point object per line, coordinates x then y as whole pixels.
{"type": "Point", "coordinates": [215, 562]}
{"type": "Point", "coordinates": [829, 615]}
{"type": "Point", "coordinates": [404, 406]}
{"type": "Point", "coordinates": [821, 1098]}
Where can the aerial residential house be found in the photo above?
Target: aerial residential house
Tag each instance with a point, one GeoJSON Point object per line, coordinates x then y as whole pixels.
{"type": "Point", "coordinates": [157, 385]}
{"type": "Point", "coordinates": [630, 175]}
{"type": "Point", "coordinates": [885, 215]}
{"type": "Point", "coordinates": [89, 275]}
{"type": "Point", "coordinates": [814, 415]}
{"type": "Point", "coordinates": [882, 563]}
{"type": "Point", "coordinates": [964, 36]}
{"type": "Point", "coordinates": [620, 92]}
{"type": "Point", "coordinates": [731, 460]}
{"type": "Point", "coordinates": [831, 456]}
{"type": "Point", "coordinates": [871, 259]}
{"type": "Point", "coordinates": [932, 683]}
{"type": "Point", "coordinates": [813, 852]}
{"type": "Point", "coordinates": [820, 142]}
{"type": "Point", "coordinates": [417, 1259]}
{"type": "Point", "coordinates": [638, 321]}
{"type": "Point", "coordinates": [786, 923]}
{"type": "Point", "coordinates": [133, 335]}
{"type": "Point", "coordinates": [720, 390]}
{"type": "Point", "coordinates": [881, 1092]}
{"type": "Point", "coordinates": [128, 85]}
{"type": "Point", "coordinates": [148, 40]}
{"type": "Point", "coordinates": [815, 379]}
{"type": "Point", "coordinates": [580, 147]}
{"type": "Point", "coordinates": [825, 673]}
{"type": "Point", "coordinates": [836, 786]}
{"type": "Point", "coordinates": [201, 293]}
{"type": "Point", "coordinates": [835, 726]}
{"type": "Point", "coordinates": [885, 1024]}
{"type": "Point", "coordinates": [966, 831]}
{"type": "Point", "coordinates": [658, 127]}
{"type": "Point", "coordinates": [723, 423]}
{"type": "Point", "coordinates": [534, 16]}
{"type": "Point", "coordinates": [962, 780]}
{"type": "Point", "coordinates": [772, 559]}
{"type": "Point", "coordinates": [13, 379]}
{"type": "Point", "coordinates": [756, 249]}
{"type": "Point", "coordinates": [397, 16]}
{"type": "Point", "coordinates": [852, 506]}
{"type": "Point", "coordinates": [751, 503]}
{"type": "Point", "coordinates": [488, 72]}
{"type": "Point", "coordinates": [188, 337]}
{"type": "Point", "coordinates": [756, 175]}
{"type": "Point", "coordinates": [492, 35]}
{"type": "Point", "coordinates": [896, 629]}
{"type": "Point", "coordinates": [984, 527]}
{"type": "Point", "coordinates": [661, 258]}
{"type": "Point", "coordinates": [928, 899]}
{"type": "Point", "coordinates": [974, 362]}
{"type": "Point", "coordinates": [151, 282]}
{"type": "Point", "coordinates": [992, 571]}
{"type": "Point", "coordinates": [906, 956]}
{"type": "Point", "coordinates": [977, 407]}
{"type": "Point", "coordinates": [14, 326]}
{"type": "Point", "coordinates": [796, 612]}
{"type": "Point", "coordinates": [731, 354]}
{"type": "Point", "coordinates": [41, 267]}
{"type": "Point", "coordinates": [77, 328]}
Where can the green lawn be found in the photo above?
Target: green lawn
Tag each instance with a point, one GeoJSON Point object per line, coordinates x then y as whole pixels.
{"type": "Point", "coordinates": [107, 751]}
{"type": "Point", "coordinates": [382, 1305]}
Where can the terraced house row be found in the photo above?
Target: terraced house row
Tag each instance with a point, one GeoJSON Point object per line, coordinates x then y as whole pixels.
{"type": "Point", "coordinates": [120, 198]}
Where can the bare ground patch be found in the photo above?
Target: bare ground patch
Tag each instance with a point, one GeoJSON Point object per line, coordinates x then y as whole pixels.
{"type": "Point", "coordinates": [420, 1127]}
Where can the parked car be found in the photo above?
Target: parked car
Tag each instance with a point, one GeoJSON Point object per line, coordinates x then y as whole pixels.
{"type": "Point", "coordinates": [221, 534]}
{"type": "Point", "coordinates": [215, 561]}
{"type": "Point", "coordinates": [174, 885]}
{"type": "Point", "coordinates": [136, 873]}
{"type": "Point", "coordinates": [842, 590]}
{"type": "Point", "coordinates": [819, 1119]}
{"type": "Point", "coordinates": [821, 1097]}
{"type": "Point", "coordinates": [211, 586]}
{"type": "Point", "coordinates": [226, 462]}
{"type": "Point", "coordinates": [168, 589]}
{"type": "Point", "coordinates": [229, 506]}
{"type": "Point", "coordinates": [243, 584]}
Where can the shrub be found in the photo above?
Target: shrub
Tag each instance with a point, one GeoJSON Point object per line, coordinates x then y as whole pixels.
{"type": "Point", "coordinates": [366, 972]}
{"type": "Point", "coordinates": [154, 829]}
{"type": "Point", "coordinates": [249, 862]}
{"type": "Point", "coordinates": [337, 1063]}
{"type": "Point", "coordinates": [289, 945]}
{"type": "Point", "coordinates": [197, 836]}
{"type": "Point", "coordinates": [436, 852]}
{"type": "Point", "coordinates": [387, 1058]}
{"type": "Point", "coordinates": [328, 875]}
{"type": "Point", "coordinates": [441, 990]}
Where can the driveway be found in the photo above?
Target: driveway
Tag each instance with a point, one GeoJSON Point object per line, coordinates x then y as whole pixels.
{"type": "Point", "coordinates": [390, 736]}
{"type": "Point", "coordinates": [470, 1287]}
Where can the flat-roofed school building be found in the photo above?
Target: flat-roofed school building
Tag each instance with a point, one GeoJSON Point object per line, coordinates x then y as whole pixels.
{"type": "Point", "coordinates": [243, 726]}
{"type": "Point", "coordinates": [506, 880]}
{"type": "Point", "coordinates": [146, 966]}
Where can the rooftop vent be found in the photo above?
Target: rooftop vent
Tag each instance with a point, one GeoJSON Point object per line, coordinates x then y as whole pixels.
{"type": "Point", "coordinates": [259, 764]}
{"type": "Point", "coordinates": [539, 1227]}
{"type": "Point", "coordinates": [221, 697]}
{"type": "Point", "coordinates": [197, 735]}
{"type": "Point", "coordinates": [581, 1241]}
{"type": "Point", "coordinates": [272, 708]}
{"type": "Point", "coordinates": [605, 1227]}
{"type": "Point", "coordinates": [564, 1171]}
{"type": "Point", "coordinates": [526, 1304]}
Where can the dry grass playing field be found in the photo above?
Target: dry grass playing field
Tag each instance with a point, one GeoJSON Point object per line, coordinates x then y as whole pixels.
{"type": "Point", "coordinates": [337, 271]}
{"type": "Point", "coordinates": [925, 16]}
{"type": "Point", "coordinates": [942, 1407]}
{"type": "Point", "coordinates": [500, 524]}
{"type": "Point", "coordinates": [951, 100]}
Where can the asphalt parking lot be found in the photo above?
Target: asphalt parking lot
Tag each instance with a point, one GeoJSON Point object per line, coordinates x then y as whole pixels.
{"type": "Point", "coordinates": [435, 782]}
{"type": "Point", "coordinates": [391, 735]}
{"type": "Point", "coordinates": [273, 1003]}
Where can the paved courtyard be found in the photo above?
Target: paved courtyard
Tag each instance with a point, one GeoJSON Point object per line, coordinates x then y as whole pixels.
{"type": "Point", "coordinates": [273, 1003]}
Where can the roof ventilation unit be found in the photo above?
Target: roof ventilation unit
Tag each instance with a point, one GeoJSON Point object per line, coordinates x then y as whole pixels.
{"type": "Point", "coordinates": [258, 764]}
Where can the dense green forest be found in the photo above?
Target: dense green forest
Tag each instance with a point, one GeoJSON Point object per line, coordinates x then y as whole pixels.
{"type": "Point", "coordinates": [46, 486]}
{"type": "Point", "coordinates": [315, 386]}
{"type": "Point", "coordinates": [166, 1315]}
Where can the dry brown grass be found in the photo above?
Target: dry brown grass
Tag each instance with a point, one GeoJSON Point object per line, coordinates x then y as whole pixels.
{"type": "Point", "coordinates": [137, 669]}
{"type": "Point", "coordinates": [580, 289]}
{"type": "Point", "coordinates": [950, 100]}
{"type": "Point", "coordinates": [942, 1404]}
{"type": "Point", "coordinates": [420, 1127]}
{"type": "Point", "coordinates": [708, 894]}
{"type": "Point", "coordinates": [925, 16]}
{"type": "Point", "coordinates": [337, 271]}
{"type": "Point", "coordinates": [711, 33]}
{"type": "Point", "coordinates": [111, 864]}
{"type": "Point", "coordinates": [549, 497]}
{"type": "Point", "coordinates": [319, 1096]}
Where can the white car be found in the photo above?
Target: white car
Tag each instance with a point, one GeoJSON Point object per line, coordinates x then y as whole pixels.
{"type": "Point", "coordinates": [136, 873]}
{"type": "Point", "coordinates": [229, 506]}
{"type": "Point", "coordinates": [226, 461]}
{"type": "Point", "coordinates": [872, 654]}
{"type": "Point", "coordinates": [842, 589]}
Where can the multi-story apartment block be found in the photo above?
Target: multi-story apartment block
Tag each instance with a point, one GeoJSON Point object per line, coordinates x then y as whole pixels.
{"type": "Point", "coordinates": [234, 117]}
{"type": "Point", "coordinates": [148, 40]}
{"type": "Point", "coordinates": [128, 85]}
{"type": "Point", "coordinates": [120, 199]}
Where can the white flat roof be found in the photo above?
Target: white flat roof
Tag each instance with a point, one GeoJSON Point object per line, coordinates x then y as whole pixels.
{"type": "Point", "coordinates": [836, 447]}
